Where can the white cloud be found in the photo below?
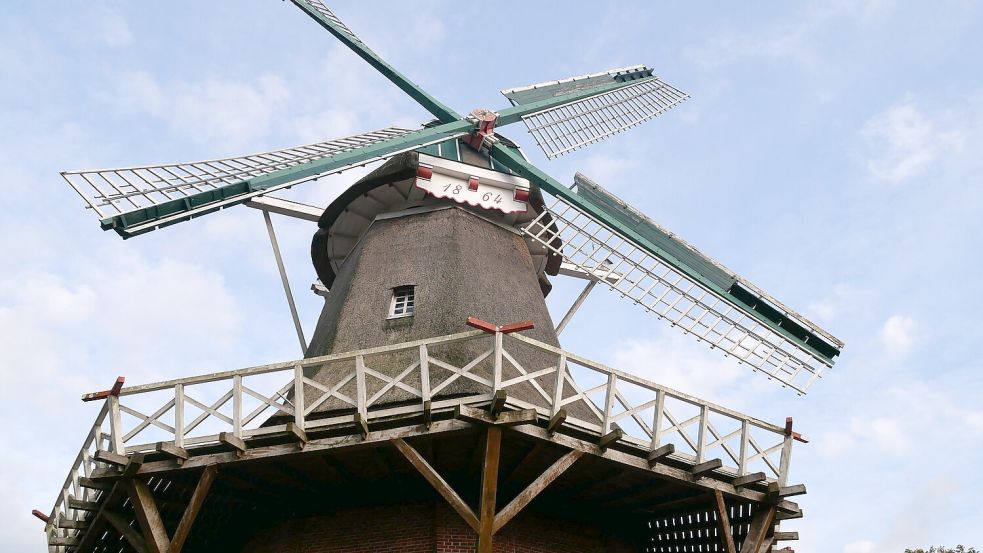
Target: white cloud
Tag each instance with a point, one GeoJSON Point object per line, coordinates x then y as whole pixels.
{"type": "Point", "coordinates": [108, 27]}
{"type": "Point", "coordinates": [862, 546]}
{"type": "Point", "coordinates": [906, 142]}
{"type": "Point", "coordinates": [224, 112]}
{"type": "Point", "coordinates": [900, 334]}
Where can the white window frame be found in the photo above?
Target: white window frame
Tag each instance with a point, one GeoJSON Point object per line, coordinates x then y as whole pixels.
{"type": "Point", "coordinates": [405, 298]}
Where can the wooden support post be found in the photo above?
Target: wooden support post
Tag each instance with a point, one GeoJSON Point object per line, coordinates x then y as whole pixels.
{"type": "Point", "coordinates": [747, 479]}
{"type": "Point", "coordinates": [154, 533]}
{"type": "Point", "coordinates": [362, 425]}
{"type": "Point", "coordinates": [723, 519]}
{"type": "Point", "coordinates": [438, 482]}
{"type": "Point", "coordinates": [660, 453]}
{"type": "Point", "coordinates": [557, 421]}
{"type": "Point", "coordinates": [192, 510]}
{"type": "Point", "coordinates": [758, 532]}
{"type": "Point", "coordinates": [128, 532]}
{"type": "Point", "coordinates": [703, 468]}
{"type": "Point", "coordinates": [133, 464]}
{"type": "Point", "coordinates": [508, 418]}
{"type": "Point", "coordinates": [427, 413]}
{"type": "Point", "coordinates": [489, 489]}
{"type": "Point", "coordinates": [533, 489]}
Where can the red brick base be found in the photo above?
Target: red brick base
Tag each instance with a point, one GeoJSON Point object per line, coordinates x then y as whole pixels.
{"type": "Point", "coordinates": [428, 528]}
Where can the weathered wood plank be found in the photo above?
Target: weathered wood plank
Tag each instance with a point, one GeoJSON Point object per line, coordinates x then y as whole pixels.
{"type": "Point", "coordinates": [191, 511]}
{"type": "Point", "coordinates": [786, 536]}
{"type": "Point", "coordinates": [438, 482]}
{"type": "Point", "coordinates": [111, 458]}
{"type": "Point", "coordinates": [489, 489]}
{"type": "Point", "coordinates": [498, 403]}
{"type": "Point", "coordinates": [506, 418]}
{"type": "Point", "coordinates": [748, 479]}
{"type": "Point", "coordinates": [557, 421]}
{"type": "Point", "coordinates": [81, 505]}
{"type": "Point", "coordinates": [533, 489]}
{"type": "Point", "coordinates": [154, 533]}
{"type": "Point", "coordinates": [606, 440]}
{"type": "Point", "coordinates": [61, 541]}
{"type": "Point", "coordinates": [361, 425]}
{"type": "Point", "coordinates": [705, 467]}
{"type": "Point", "coordinates": [723, 520]}
{"type": "Point", "coordinates": [233, 441]}
{"type": "Point", "coordinates": [72, 524]}
{"type": "Point", "coordinates": [298, 434]}
{"type": "Point", "coordinates": [660, 453]}
{"type": "Point", "coordinates": [178, 453]}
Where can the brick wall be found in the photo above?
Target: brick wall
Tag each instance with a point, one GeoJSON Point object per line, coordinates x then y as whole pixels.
{"type": "Point", "coordinates": [428, 528]}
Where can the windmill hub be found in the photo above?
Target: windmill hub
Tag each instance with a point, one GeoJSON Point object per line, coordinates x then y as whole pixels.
{"type": "Point", "coordinates": [486, 120]}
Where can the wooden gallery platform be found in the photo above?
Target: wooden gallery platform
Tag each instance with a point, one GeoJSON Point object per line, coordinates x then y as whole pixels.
{"type": "Point", "coordinates": [473, 477]}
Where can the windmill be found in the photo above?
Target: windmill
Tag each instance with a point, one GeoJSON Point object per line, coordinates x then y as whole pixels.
{"type": "Point", "coordinates": [456, 226]}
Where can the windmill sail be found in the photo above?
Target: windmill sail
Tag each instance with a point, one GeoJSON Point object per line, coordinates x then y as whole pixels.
{"type": "Point", "coordinates": [622, 99]}
{"type": "Point", "coordinates": [684, 287]}
{"type": "Point", "coordinates": [134, 200]}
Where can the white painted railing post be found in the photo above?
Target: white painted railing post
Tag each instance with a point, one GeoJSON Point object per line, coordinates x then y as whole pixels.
{"type": "Point", "coordinates": [742, 466]}
{"type": "Point", "coordinates": [237, 406]}
{"type": "Point", "coordinates": [179, 415]}
{"type": "Point", "coordinates": [497, 376]}
{"type": "Point", "coordinates": [660, 406]}
{"type": "Point", "coordinates": [424, 373]}
{"type": "Point", "coordinates": [701, 440]}
{"type": "Point", "coordinates": [561, 371]}
{"type": "Point", "coordinates": [361, 400]}
{"type": "Point", "coordinates": [115, 425]}
{"type": "Point", "coordinates": [785, 461]}
{"type": "Point", "coordinates": [299, 396]}
{"type": "Point", "coordinates": [609, 403]}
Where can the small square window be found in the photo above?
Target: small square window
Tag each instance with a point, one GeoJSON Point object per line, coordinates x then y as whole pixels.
{"type": "Point", "coordinates": [402, 303]}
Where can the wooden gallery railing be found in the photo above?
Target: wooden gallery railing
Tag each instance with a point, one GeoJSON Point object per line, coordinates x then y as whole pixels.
{"type": "Point", "coordinates": [193, 411]}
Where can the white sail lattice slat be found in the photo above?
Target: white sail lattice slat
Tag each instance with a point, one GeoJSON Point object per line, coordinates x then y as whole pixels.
{"type": "Point", "coordinates": [113, 192]}
{"type": "Point", "coordinates": [572, 126]}
{"type": "Point", "coordinates": [596, 249]}
{"type": "Point", "coordinates": [319, 7]}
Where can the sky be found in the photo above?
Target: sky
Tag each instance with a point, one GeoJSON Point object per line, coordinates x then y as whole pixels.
{"type": "Point", "coordinates": [830, 154]}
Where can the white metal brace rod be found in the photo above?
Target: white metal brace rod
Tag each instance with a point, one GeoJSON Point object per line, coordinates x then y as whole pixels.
{"type": "Point", "coordinates": [286, 283]}
{"type": "Point", "coordinates": [576, 305]}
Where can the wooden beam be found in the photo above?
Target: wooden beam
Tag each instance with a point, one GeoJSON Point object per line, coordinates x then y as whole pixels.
{"type": "Point", "coordinates": [786, 536]}
{"type": "Point", "coordinates": [177, 453]}
{"type": "Point", "coordinates": [95, 484]}
{"type": "Point", "coordinates": [789, 516]}
{"type": "Point", "coordinates": [507, 418]}
{"type": "Point", "coordinates": [61, 541]}
{"type": "Point", "coordinates": [747, 479]}
{"type": "Point", "coordinates": [298, 434]}
{"type": "Point", "coordinates": [133, 464]}
{"type": "Point", "coordinates": [233, 441]}
{"type": "Point", "coordinates": [613, 436]}
{"type": "Point", "coordinates": [498, 403]}
{"type": "Point", "coordinates": [154, 533]}
{"type": "Point", "coordinates": [111, 458]}
{"type": "Point", "coordinates": [703, 468]}
{"type": "Point", "coordinates": [532, 490]}
{"type": "Point", "coordinates": [72, 524]}
{"type": "Point", "coordinates": [43, 517]}
{"type": "Point", "coordinates": [557, 421]}
{"type": "Point", "coordinates": [758, 532]}
{"type": "Point", "coordinates": [723, 519]}
{"type": "Point", "coordinates": [437, 481]}
{"type": "Point", "coordinates": [660, 453]}
{"type": "Point", "coordinates": [80, 505]}
{"type": "Point", "coordinates": [191, 511]}
{"type": "Point", "coordinates": [776, 491]}
{"type": "Point", "coordinates": [489, 489]}
{"type": "Point", "coordinates": [128, 532]}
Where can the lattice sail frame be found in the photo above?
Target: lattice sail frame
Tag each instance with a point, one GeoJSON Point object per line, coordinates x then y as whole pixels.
{"type": "Point", "coordinates": [569, 127]}
{"type": "Point", "coordinates": [595, 248]}
{"type": "Point", "coordinates": [117, 192]}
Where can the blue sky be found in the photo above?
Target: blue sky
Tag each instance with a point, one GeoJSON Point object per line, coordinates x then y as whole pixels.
{"type": "Point", "coordinates": [830, 154]}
